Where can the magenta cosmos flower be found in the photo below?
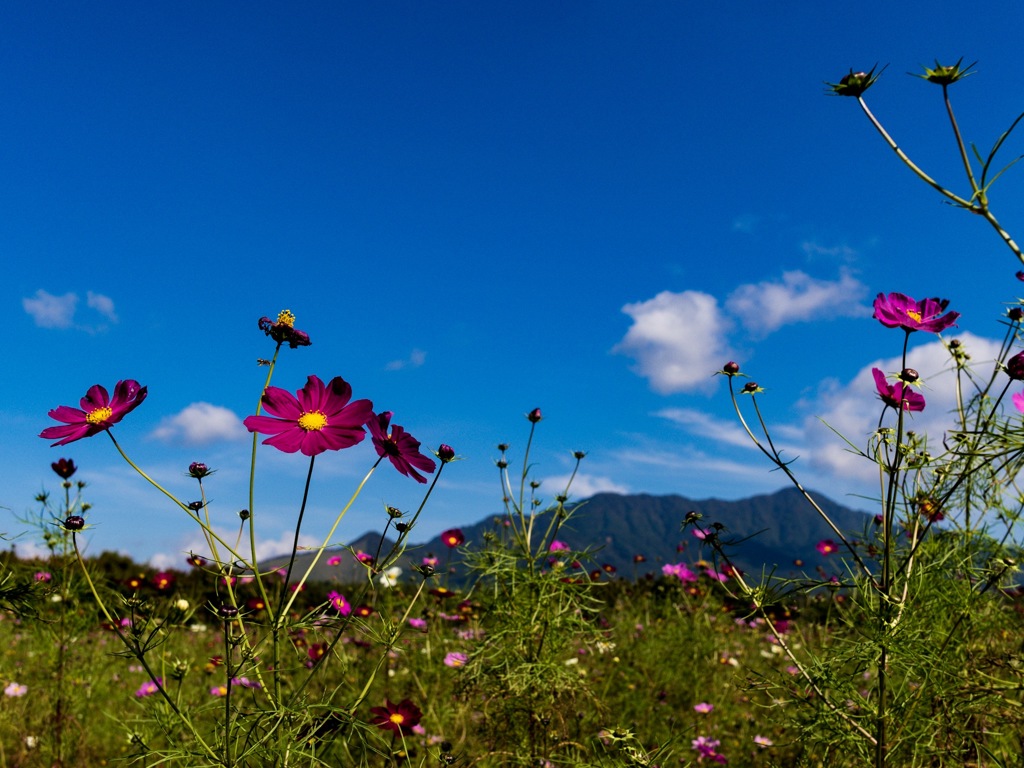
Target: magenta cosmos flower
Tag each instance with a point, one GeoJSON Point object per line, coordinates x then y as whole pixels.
{"type": "Point", "coordinates": [401, 448]}
{"type": "Point", "coordinates": [453, 537]}
{"type": "Point", "coordinates": [826, 547]}
{"type": "Point", "coordinates": [319, 418]}
{"type": "Point", "coordinates": [99, 412]}
{"type": "Point", "coordinates": [895, 394]}
{"type": "Point", "coordinates": [900, 311]}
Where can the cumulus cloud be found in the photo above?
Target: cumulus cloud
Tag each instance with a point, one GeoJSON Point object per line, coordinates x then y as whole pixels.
{"type": "Point", "coordinates": [416, 358]}
{"type": "Point", "coordinates": [102, 304]}
{"type": "Point", "coordinates": [851, 409]}
{"type": "Point", "coordinates": [51, 311]}
{"type": "Point", "coordinates": [677, 339]}
{"type": "Point", "coordinates": [200, 424]}
{"type": "Point", "coordinates": [767, 306]}
{"type": "Point", "coordinates": [583, 486]}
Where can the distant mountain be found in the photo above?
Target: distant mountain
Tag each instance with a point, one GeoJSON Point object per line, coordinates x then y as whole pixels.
{"type": "Point", "coordinates": [767, 531]}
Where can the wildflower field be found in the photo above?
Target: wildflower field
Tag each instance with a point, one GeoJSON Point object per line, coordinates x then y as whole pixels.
{"type": "Point", "coordinates": [908, 652]}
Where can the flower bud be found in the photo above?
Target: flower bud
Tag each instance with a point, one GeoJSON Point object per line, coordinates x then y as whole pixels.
{"type": "Point", "coordinates": [227, 612]}
{"type": "Point", "coordinates": [751, 388]}
{"type": "Point", "coordinates": [731, 368]}
{"type": "Point", "coordinates": [1015, 367]}
{"type": "Point", "coordinates": [195, 506]}
{"type": "Point", "coordinates": [855, 83]}
{"type": "Point", "coordinates": [198, 470]}
{"type": "Point", "coordinates": [502, 447]}
{"type": "Point", "coordinates": [909, 375]}
{"type": "Point", "coordinates": [445, 453]}
{"type": "Point", "coordinates": [1015, 314]}
{"type": "Point", "coordinates": [74, 523]}
{"type": "Point", "coordinates": [244, 514]}
{"type": "Point", "coordinates": [946, 74]}
{"type": "Point", "coordinates": [534, 416]}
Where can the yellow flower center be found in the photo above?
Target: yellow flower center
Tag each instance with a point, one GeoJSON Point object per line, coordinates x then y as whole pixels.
{"type": "Point", "coordinates": [285, 317]}
{"type": "Point", "coordinates": [397, 718]}
{"type": "Point", "coordinates": [312, 421]}
{"type": "Point", "coordinates": [99, 415]}
{"type": "Point", "coordinates": [914, 315]}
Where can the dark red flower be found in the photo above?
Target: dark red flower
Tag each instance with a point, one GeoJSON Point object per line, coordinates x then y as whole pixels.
{"type": "Point", "coordinates": [318, 418]}
{"type": "Point", "coordinates": [64, 468]}
{"type": "Point", "coordinates": [163, 580]}
{"type": "Point", "coordinates": [445, 453]}
{"type": "Point", "coordinates": [401, 448]}
{"type": "Point", "coordinates": [98, 413]}
{"type": "Point", "coordinates": [398, 718]}
{"type": "Point", "coordinates": [453, 537]}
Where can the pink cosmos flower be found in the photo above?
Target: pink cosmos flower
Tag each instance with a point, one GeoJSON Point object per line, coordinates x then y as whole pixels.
{"type": "Point", "coordinates": [826, 547]}
{"type": "Point", "coordinates": [401, 448]}
{"type": "Point", "coordinates": [98, 413]}
{"type": "Point", "coordinates": [334, 560]}
{"type": "Point", "coordinates": [149, 687]}
{"type": "Point", "coordinates": [558, 546]}
{"type": "Point", "coordinates": [15, 690]}
{"type": "Point", "coordinates": [417, 623]}
{"type": "Point", "coordinates": [900, 311]}
{"type": "Point", "coordinates": [894, 394]}
{"type": "Point", "coordinates": [763, 741]}
{"type": "Point", "coordinates": [319, 418]}
{"type": "Point", "coordinates": [1018, 401]}
{"type": "Point", "coordinates": [339, 603]}
{"type": "Point", "coordinates": [680, 571]}
{"type": "Point", "coordinates": [455, 659]}
{"type": "Point", "coordinates": [703, 707]}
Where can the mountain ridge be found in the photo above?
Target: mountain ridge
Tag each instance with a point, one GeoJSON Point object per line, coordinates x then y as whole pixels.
{"type": "Point", "coordinates": [776, 531]}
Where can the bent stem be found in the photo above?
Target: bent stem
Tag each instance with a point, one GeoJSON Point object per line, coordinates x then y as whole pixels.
{"type": "Point", "coordinates": [776, 459]}
{"type": "Point", "coordinates": [184, 507]}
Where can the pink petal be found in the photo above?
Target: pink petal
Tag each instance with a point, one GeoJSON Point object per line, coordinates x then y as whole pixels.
{"type": "Point", "coordinates": [281, 403]}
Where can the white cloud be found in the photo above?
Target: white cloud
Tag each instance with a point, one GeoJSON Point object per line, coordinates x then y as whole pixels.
{"type": "Point", "coordinates": [416, 358]}
{"type": "Point", "coordinates": [200, 424]}
{"type": "Point", "coordinates": [852, 409]}
{"type": "Point", "coordinates": [102, 304]}
{"type": "Point", "coordinates": [812, 249]}
{"type": "Point", "coordinates": [583, 486]}
{"type": "Point", "coordinates": [677, 340]}
{"type": "Point", "coordinates": [51, 311]}
{"type": "Point", "coordinates": [265, 548]}
{"type": "Point", "coordinates": [704, 425]}
{"type": "Point", "coordinates": [767, 306]}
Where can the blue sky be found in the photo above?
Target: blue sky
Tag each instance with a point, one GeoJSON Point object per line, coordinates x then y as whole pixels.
{"type": "Point", "coordinates": [476, 209]}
